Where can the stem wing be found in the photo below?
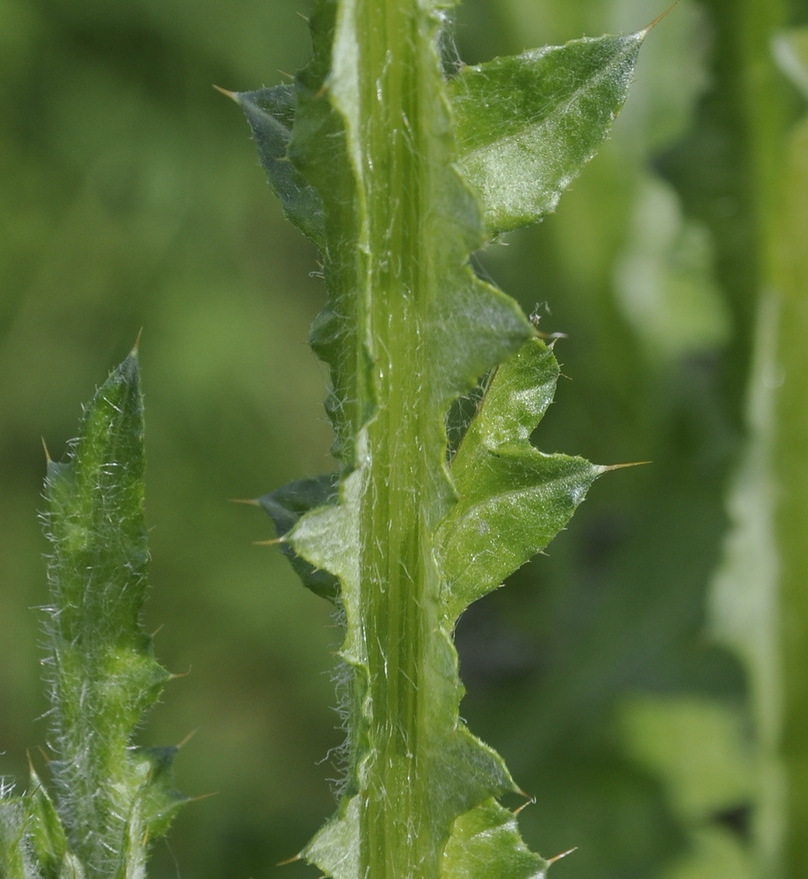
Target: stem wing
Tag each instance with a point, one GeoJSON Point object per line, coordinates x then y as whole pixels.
{"type": "Point", "coordinates": [513, 499]}
{"type": "Point", "coordinates": [527, 124]}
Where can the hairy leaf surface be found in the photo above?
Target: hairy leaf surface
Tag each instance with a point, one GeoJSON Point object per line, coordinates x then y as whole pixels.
{"type": "Point", "coordinates": [46, 834]}
{"type": "Point", "coordinates": [112, 798]}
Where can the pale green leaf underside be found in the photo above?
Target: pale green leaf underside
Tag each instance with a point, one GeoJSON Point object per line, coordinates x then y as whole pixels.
{"type": "Point", "coordinates": [527, 124]}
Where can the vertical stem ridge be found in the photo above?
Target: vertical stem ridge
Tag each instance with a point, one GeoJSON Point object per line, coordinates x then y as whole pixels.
{"type": "Point", "coordinates": [394, 71]}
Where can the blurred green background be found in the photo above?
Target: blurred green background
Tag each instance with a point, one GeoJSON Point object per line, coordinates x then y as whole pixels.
{"type": "Point", "coordinates": [132, 198]}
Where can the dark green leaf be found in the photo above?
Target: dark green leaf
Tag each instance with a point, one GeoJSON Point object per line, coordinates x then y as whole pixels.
{"type": "Point", "coordinates": [270, 113]}
{"type": "Point", "coordinates": [285, 506]}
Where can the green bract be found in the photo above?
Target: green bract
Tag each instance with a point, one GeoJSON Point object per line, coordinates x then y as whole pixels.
{"type": "Point", "coordinates": [398, 174]}
{"type": "Point", "coordinates": [111, 798]}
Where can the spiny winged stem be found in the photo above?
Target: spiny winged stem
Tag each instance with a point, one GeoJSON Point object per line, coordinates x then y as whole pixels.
{"type": "Point", "coordinates": [397, 174]}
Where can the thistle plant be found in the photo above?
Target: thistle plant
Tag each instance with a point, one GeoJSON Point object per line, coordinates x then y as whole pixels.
{"type": "Point", "coordinates": [398, 164]}
{"type": "Point", "coordinates": [110, 799]}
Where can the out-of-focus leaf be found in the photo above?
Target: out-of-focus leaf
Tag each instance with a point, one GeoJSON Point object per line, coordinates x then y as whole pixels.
{"type": "Point", "coordinates": [791, 54]}
{"type": "Point", "coordinates": [786, 377]}
{"type": "Point", "coordinates": [712, 852]}
{"type": "Point", "coordinates": [527, 124]}
{"type": "Point", "coordinates": [704, 782]}
{"type": "Point", "coordinates": [759, 600]}
{"type": "Point", "coordinates": [665, 280]}
{"type": "Point", "coordinates": [45, 830]}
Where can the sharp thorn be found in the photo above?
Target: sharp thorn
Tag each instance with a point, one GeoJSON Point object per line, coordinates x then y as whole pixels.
{"type": "Point", "coordinates": [228, 94]}
{"type": "Point", "coordinates": [659, 18]}
{"type": "Point", "coordinates": [562, 855]}
{"type": "Point", "coordinates": [288, 861]}
{"type": "Point", "coordinates": [185, 741]}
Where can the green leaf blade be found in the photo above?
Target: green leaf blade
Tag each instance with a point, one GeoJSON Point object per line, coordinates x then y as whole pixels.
{"type": "Point", "coordinates": [16, 856]}
{"type": "Point", "coordinates": [46, 834]}
{"type": "Point", "coordinates": [527, 124]}
{"type": "Point", "coordinates": [270, 113]}
{"type": "Point", "coordinates": [486, 843]}
{"type": "Point", "coordinates": [512, 498]}
{"type": "Point", "coordinates": [407, 329]}
{"type": "Point", "coordinates": [103, 673]}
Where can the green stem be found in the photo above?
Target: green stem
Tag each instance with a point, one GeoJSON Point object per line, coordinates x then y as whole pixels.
{"type": "Point", "coordinates": [404, 481]}
{"type": "Point", "coordinates": [364, 158]}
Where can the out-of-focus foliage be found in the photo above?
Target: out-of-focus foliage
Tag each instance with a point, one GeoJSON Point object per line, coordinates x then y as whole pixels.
{"type": "Point", "coordinates": [132, 199]}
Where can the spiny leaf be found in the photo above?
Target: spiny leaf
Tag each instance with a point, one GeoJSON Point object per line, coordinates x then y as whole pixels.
{"type": "Point", "coordinates": [46, 833]}
{"type": "Point", "coordinates": [270, 113]}
{"type": "Point", "coordinates": [407, 329]}
{"type": "Point", "coordinates": [285, 506]}
{"type": "Point", "coordinates": [512, 498]}
{"type": "Point", "coordinates": [527, 124]}
{"type": "Point", "coordinates": [103, 674]}
{"type": "Point", "coordinates": [464, 772]}
{"type": "Point", "coordinates": [485, 843]}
